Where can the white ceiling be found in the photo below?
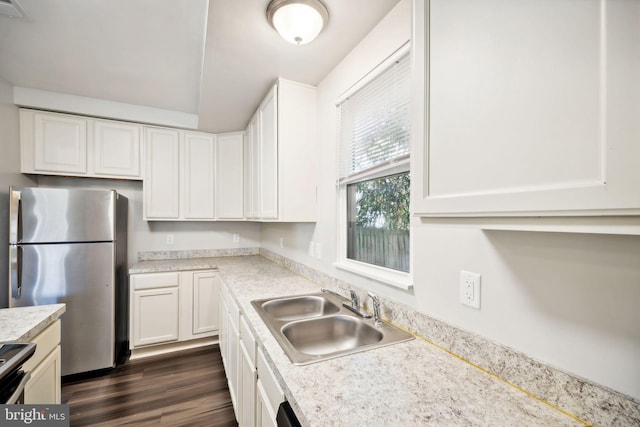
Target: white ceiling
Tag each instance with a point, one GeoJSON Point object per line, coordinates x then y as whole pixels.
{"type": "Point", "coordinates": [215, 58]}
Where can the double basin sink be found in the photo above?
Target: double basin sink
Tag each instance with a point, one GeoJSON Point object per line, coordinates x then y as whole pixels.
{"type": "Point", "coordinates": [315, 327]}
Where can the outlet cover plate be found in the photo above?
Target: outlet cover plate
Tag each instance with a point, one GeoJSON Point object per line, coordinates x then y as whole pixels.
{"type": "Point", "coordinates": [470, 289]}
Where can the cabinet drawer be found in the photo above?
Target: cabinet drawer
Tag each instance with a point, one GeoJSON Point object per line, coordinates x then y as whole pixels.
{"type": "Point", "coordinates": [45, 341]}
{"type": "Point", "coordinates": [155, 280]}
{"type": "Point", "coordinates": [274, 394]}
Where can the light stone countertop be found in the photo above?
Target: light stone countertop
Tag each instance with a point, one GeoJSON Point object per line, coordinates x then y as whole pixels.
{"type": "Point", "coordinates": [411, 383]}
{"type": "Point", "coordinates": [24, 323]}
{"type": "Point", "coordinates": [183, 264]}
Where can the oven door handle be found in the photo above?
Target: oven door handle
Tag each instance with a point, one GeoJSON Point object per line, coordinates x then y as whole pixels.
{"type": "Point", "coordinates": [17, 396]}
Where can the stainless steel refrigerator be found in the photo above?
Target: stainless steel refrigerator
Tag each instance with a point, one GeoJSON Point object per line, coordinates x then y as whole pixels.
{"type": "Point", "coordinates": [70, 246]}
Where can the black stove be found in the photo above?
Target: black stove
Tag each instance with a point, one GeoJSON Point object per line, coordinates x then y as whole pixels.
{"type": "Point", "coordinates": [12, 377]}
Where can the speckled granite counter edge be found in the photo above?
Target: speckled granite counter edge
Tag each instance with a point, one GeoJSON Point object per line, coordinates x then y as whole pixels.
{"type": "Point", "coordinates": [198, 253]}
{"type": "Point", "coordinates": [25, 323]}
{"type": "Point", "coordinates": [584, 399]}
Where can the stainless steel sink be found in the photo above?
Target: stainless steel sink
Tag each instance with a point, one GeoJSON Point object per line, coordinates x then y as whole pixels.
{"type": "Point", "coordinates": [330, 334]}
{"type": "Point", "coordinates": [300, 307]}
{"type": "Point", "coordinates": [315, 327]}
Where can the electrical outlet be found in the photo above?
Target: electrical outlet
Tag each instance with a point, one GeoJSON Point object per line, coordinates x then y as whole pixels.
{"type": "Point", "coordinates": [312, 248]}
{"type": "Point", "coordinates": [236, 238]}
{"type": "Point", "coordinates": [470, 289]}
{"type": "Point", "coordinates": [282, 242]}
{"type": "Point", "coordinates": [169, 239]}
{"type": "Point", "coordinates": [318, 252]}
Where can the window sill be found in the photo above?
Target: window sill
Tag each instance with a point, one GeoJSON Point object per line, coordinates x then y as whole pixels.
{"type": "Point", "coordinates": [380, 274]}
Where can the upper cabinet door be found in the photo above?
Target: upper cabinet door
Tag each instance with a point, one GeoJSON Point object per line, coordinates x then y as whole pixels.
{"type": "Point", "coordinates": [59, 143]}
{"type": "Point", "coordinates": [268, 141]}
{"type": "Point", "coordinates": [251, 168]}
{"type": "Point", "coordinates": [198, 175]}
{"type": "Point", "coordinates": [526, 108]}
{"type": "Point", "coordinates": [162, 174]}
{"type": "Point", "coordinates": [116, 148]}
{"type": "Point", "coordinates": [229, 176]}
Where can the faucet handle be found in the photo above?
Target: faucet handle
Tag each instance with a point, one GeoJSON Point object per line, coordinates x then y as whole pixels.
{"type": "Point", "coordinates": [374, 297]}
{"type": "Point", "coordinates": [355, 299]}
{"type": "Point", "coordinates": [376, 308]}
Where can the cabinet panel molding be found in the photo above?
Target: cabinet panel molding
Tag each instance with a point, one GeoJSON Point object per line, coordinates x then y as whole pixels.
{"type": "Point", "coordinates": [44, 386]}
{"type": "Point", "coordinates": [161, 177]}
{"type": "Point", "coordinates": [60, 143]}
{"type": "Point", "coordinates": [205, 309]}
{"type": "Point", "coordinates": [155, 316]}
{"type": "Point", "coordinates": [116, 148]}
{"type": "Point", "coordinates": [198, 175]}
{"type": "Point", "coordinates": [230, 176]}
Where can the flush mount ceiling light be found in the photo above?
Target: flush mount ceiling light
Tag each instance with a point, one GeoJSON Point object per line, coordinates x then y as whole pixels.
{"type": "Point", "coordinates": [297, 21]}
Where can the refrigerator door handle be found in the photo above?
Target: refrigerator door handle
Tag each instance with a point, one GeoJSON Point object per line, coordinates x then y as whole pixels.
{"type": "Point", "coordinates": [15, 212]}
{"type": "Point", "coordinates": [15, 270]}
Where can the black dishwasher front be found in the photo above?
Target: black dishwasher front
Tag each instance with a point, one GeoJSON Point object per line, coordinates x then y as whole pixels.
{"type": "Point", "coordinates": [286, 417]}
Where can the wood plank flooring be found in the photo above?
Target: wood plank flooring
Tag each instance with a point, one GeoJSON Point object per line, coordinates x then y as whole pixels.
{"type": "Point", "coordinates": [186, 388]}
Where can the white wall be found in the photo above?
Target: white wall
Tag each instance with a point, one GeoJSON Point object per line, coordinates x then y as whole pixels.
{"type": "Point", "coordinates": [565, 299]}
{"type": "Point", "coordinates": [152, 235]}
{"type": "Point", "coordinates": [9, 174]}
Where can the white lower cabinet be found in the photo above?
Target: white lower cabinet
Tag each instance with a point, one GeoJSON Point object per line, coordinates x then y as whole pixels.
{"type": "Point", "coordinates": [200, 311]}
{"type": "Point", "coordinates": [156, 316]}
{"type": "Point", "coordinates": [233, 336]}
{"type": "Point", "coordinates": [265, 415]}
{"type": "Point", "coordinates": [248, 376]}
{"type": "Point", "coordinates": [44, 385]}
{"type": "Point", "coordinates": [269, 392]}
{"type": "Point", "coordinates": [255, 391]}
{"type": "Point", "coordinates": [173, 306]}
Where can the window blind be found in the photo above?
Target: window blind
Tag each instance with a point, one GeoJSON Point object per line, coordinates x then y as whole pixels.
{"type": "Point", "coordinates": [375, 121]}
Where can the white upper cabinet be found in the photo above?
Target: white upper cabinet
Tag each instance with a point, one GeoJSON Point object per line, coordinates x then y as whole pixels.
{"type": "Point", "coordinates": [251, 170]}
{"type": "Point", "coordinates": [60, 143]}
{"type": "Point", "coordinates": [52, 144]}
{"type": "Point", "coordinates": [229, 176]}
{"type": "Point", "coordinates": [180, 175]}
{"type": "Point", "coordinates": [193, 176]}
{"type": "Point", "coordinates": [532, 111]}
{"type": "Point", "coordinates": [64, 144]}
{"type": "Point", "coordinates": [161, 188]}
{"type": "Point", "coordinates": [268, 140]}
{"type": "Point", "coordinates": [281, 149]}
{"type": "Point", "coordinates": [116, 148]}
{"type": "Point", "coordinates": [198, 175]}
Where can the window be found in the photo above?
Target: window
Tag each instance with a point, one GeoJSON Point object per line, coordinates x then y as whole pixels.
{"type": "Point", "coordinates": [374, 181]}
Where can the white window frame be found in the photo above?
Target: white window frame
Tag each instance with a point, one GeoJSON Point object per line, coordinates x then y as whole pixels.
{"type": "Point", "coordinates": [384, 275]}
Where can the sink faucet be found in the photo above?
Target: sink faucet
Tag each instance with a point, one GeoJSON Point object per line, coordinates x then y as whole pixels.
{"type": "Point", "coordinates": [376, 309]}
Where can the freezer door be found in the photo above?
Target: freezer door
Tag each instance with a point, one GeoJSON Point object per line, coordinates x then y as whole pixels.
{"type": "Point", "coordinates": [46, 215]}
{"type": "Point", "coordinates": [81, 275]}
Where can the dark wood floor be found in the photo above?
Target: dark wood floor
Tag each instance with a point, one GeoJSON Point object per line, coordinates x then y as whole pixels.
{"type": "Point", "coordinates": [186, 388]}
